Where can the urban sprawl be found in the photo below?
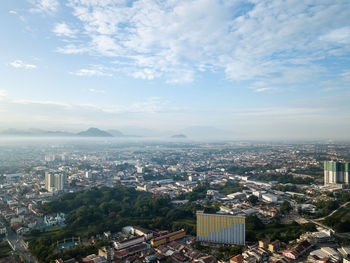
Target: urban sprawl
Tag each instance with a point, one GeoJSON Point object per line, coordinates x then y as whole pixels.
{"type": "Point", "coordinates": [174, 202]}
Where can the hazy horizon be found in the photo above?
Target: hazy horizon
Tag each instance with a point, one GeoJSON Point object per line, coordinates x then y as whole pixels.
{"type": "Point", "coordinates": [226, 69]}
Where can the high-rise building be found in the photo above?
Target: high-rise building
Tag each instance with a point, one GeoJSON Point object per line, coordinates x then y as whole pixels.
{"type": "Point", "coordinates": [220, 228]}
{"type": "Point", "coordinates": [336, 173]}
{"type": "Point", "coordinates": [59, 182]}
{"type": "Point", "coordinates": [49, 181]}
{"type": "Point", "coordinates": [54, 182]}
{"type": "Point", "coordinates": [88, 174]}
{"type": "Point", "coordinates": [50, 157]}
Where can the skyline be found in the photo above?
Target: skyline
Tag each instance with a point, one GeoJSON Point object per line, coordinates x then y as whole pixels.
{"type": "Point", "coordinates": [260, 70]}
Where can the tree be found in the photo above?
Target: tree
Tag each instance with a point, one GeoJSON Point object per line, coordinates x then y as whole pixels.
{"type": "Point", "coordinates": [254, 223]}
{"type": "Point", "coordinates": [253, 200]}
{"type": "Point", "coordinates": [285, 207]}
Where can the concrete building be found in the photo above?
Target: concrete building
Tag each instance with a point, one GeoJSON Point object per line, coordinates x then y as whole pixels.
{"type": "Point", "coordinates": [59, 182]}
{"type": "Point", "coordinates": [49, 181]}
{"type": "Point", "coordinates": [129, 242]}
{"type": "Point", "coordinates": [10, 178]}
{"type": "Point", "coordinates": [220, 228]}
{"type": "Point", "coordinates": [50, 157]}
{"type": "Point", "coordinates": [54, 182]}
{"type": "Point", "coordinates": [270, 198]}
{"type": "Point", "coordinates": [88, 174]}
{"type": "Point", "coordinates": [168, 238]}
{"type": "Point", "coordinates": [336, 173]}
{"type": "Point", "coordinates": [140, 169]}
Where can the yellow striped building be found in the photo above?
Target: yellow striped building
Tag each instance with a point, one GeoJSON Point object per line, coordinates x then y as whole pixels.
{"type": "Point", "coordinates": [220, 228]}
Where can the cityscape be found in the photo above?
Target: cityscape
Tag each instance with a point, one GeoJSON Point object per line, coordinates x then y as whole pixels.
{"type": "Point", "coordinates": [215, 202]}
{"type": "Point", "coordinates": [187, 131]}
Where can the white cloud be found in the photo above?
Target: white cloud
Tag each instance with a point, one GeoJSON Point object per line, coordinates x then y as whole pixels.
{"type": "Point", "coordinates": [96, 91]}
{"type": "Point", "coordinates": [263, 89]}
{"type": "Point", "coordinates": [145, 74]}
{"type": "Point", "coordinates": [62, 29]}
{"type": "Point", "coordinates": [45, 6]}
{"type": "Point", "coordinates": [3, 94]}
{"type": "Point", "coordinates": [21, 64]}
{"type": "Point", "coordinates": [150, 105]}
{"type": "Point", "coordinates": [248, 40]}
{"type": "Point", "coordinates": [346, 75]}
{"type": "Point", "coordinates": [339, 35]}
{"type": "Point", "coordinates": [72, 49]}
{"type": "Point", "coordinates": [91, 72]}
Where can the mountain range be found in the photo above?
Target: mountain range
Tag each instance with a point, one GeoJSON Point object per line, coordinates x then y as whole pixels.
{"type": "Point", "coordinates": [194, 132]}
{"type": "Point", "coordinates": [91, 132]}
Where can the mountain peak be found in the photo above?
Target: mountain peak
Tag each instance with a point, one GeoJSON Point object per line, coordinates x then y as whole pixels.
{"type": "Point", "coordinates": [94, 132]}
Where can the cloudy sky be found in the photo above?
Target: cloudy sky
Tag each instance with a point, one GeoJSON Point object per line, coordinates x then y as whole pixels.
{"type": "Point", "coordinates": [257, 69]}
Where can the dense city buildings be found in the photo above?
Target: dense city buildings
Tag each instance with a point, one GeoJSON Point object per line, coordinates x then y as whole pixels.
{"type": "Point", "coordinates": [250, 192]}
{"type": "Point", "coordinates": [220, 228]}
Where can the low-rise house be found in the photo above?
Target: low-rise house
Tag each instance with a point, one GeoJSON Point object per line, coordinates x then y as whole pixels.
{"type": "Point", "coordinates": [94, 259]}
{"type": "Point", "coordinates": [168, 238]}
{"type": "Point", "coordinates": [274, 246]}
{"type": "Point", "coordinates": [237, 259]}
{"type": "Point", "coordinates": [128, 242]}
{"type": "Point", "coordinates": [54, 219]}
{"type": "Point", "coordinates": [324, 253]}
{"type": "Point", "coordinates": [205, 259]}
{"type": "Point", "coordinates": [264, 243]}
{"type": "Point", "coordinates": [132, 250]}
{"type": "Point", "coordinates": [298, 251]}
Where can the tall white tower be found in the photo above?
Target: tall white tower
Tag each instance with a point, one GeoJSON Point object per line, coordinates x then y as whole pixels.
{"type": "Point", "coordinates": [59, 182]}
{"type": "Point", "coordinates": [49, 181]}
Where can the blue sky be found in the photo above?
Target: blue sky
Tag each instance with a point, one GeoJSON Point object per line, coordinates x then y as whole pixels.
{"type": "Point", "coordinates": [256, 69]}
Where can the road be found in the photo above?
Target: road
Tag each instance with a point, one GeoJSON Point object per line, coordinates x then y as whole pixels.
{"type": "Point", "coordinates": [317, 222]}
{"type": "Point", "coordinates": [336, 210]}
{"type": "Point", "coordinates": [17, 245]}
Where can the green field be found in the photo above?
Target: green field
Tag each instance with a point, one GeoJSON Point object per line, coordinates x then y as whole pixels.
{"type": "Point", "coordinates": [339, 221]}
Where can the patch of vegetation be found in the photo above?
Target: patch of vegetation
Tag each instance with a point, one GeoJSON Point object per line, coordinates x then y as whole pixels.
{"type": "Point", "coordinates": [340, 220]}
{"type": "Point", "coordinates": [285, 207]}
{"type": "Point", "coordinates": [326, 207]}
{"type": "Point", "coordinates": [201, 191]}
{"type": "Point", "coordinates": [283, 179]}
{"type": "Point", "coordinates": [287, 188]}
{"type": "Point", "coordinates": [226, 252]}
{"type": "Point", "coordinates": [229, 188]}
{"type": "Point", "coordinates": [46, 252]}
{"type": "Point", "coordinates": [96, 210]}
{"type": "Point", "coordinates": [256, 230]}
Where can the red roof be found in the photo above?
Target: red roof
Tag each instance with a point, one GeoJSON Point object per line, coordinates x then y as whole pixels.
{"type": "Point", "coordinates": [238, 258]}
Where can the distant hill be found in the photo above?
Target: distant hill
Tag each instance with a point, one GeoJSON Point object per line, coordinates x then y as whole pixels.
{"type": "Point", "coordinates": [94, 132]}
{"type": "Point", "coordinates": [134, 131]}
{"type": "Point", "coordinates": [179, 136]}
{"type": "Point", "coordinates": [57, 133]}
{"type": "Point", "coordinates": [116, 133]}
{"type": "Point", "coordinates": [36, 133]}
{"type": "Point", "coordinates": [14, 132]}
{"type": "Point", "coordinates": [205, 132]}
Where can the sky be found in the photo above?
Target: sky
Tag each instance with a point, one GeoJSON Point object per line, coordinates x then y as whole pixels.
{"type": "Point", "coordinates": [253, 69]}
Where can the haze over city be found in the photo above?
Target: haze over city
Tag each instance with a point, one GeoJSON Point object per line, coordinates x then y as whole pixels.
{"type": "Point", "coordinates": [245, 69]}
